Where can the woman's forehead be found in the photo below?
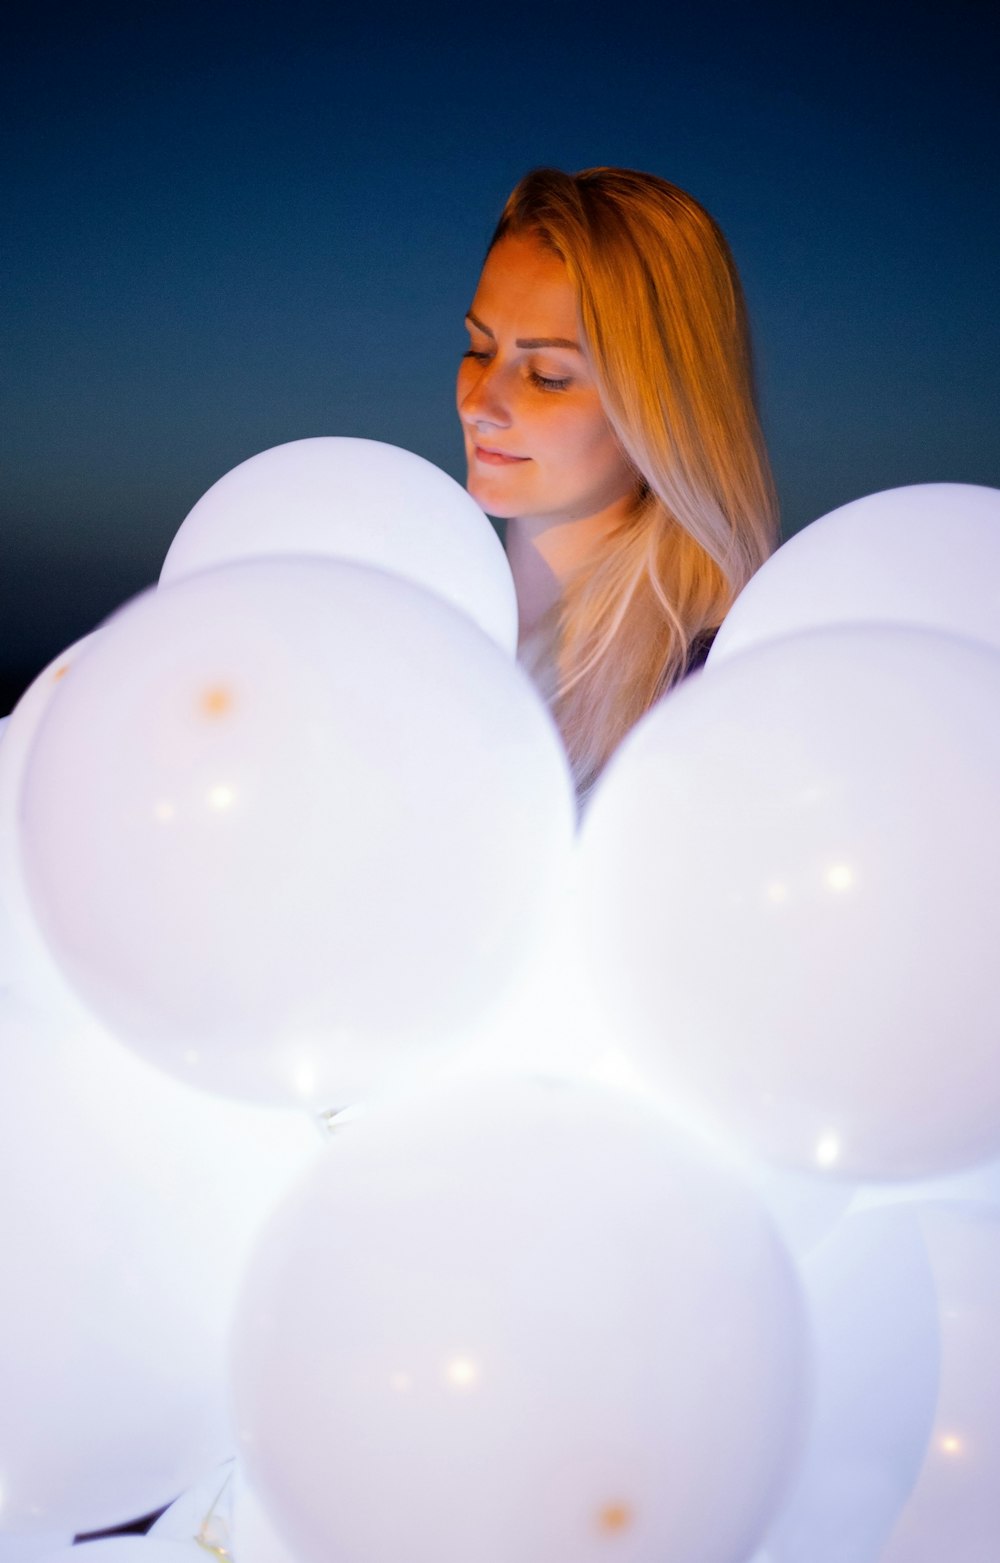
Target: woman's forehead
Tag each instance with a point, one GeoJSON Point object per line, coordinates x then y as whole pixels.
{"type": "Point", "coordinates": [526, 288]}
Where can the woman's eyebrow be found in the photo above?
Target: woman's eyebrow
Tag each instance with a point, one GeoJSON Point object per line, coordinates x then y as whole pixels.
{"type": "Point", "coordinates": [528, 342]}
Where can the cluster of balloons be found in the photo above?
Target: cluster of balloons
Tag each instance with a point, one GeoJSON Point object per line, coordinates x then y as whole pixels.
{"type": "Point", "coordinates": [666, 1222]}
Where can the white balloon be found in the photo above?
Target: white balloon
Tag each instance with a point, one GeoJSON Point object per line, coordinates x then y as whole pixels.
{"type": "Point", "coordinates": [130, 1205]}
{"type": "Point", "coordinates": [25, 962]}
{"type": "Point", "coordinates": [806, 1209]}
{"type": "Point", "coordinates": [291, 825]}
{"type": "Point", "coordinates": [791, 886]}
{"type": "Point", "coordinates": [254, 1538]}
{"type": "Point", "coordinates": [981, 1185]}
{"type": "Point", "coordinates": [926, 556]}
{"type": "Point", "coordinates": [122, 1549]}
{"type": "Point", "coordinates": [359, 500]}
{"type": "Point", "coordinates": [954, 1510]}
{"type": "Point", "coordinates": [202, 1515]}
{"type": "Point", "coordinates": [32, 1549]}
{"type": "Point", "coordinates": [518, 1321]}
{"type": "Point", "coordinates": [873, 1311]}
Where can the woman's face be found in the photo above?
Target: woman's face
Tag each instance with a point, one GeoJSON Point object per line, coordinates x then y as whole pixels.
{"type": "Point", "coordinates": [536, 439]}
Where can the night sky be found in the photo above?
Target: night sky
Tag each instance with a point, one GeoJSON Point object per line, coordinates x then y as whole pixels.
{"type": "Point", "coordinates": [231, 227]}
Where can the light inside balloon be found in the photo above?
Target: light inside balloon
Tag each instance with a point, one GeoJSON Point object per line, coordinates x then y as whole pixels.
{"type": "Point", "coordinates": [615, 1517]}
{"type": "Point", "coordinates": [463, 1373]}
{"type": "Point", "coordinates": [827, 1149]}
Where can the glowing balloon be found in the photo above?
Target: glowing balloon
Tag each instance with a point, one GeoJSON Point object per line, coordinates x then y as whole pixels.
{"type": "Point", "coordinates": [791, 890]}
{"type": "Point", "coordinates": [201, 1516]}
{"type": "Point", "coordinates": [980, 1185]}
{"type": "Point", "coordinates": [927, 556]}
{"type": "Point", "coordinates": [359, 500]}
{"type": "Point", "coordinates": [33, 1549]}
{"type": "Point", "coordinates": [518, 1321]}
{"type": "Point", "coordinates": [874, 1316]}
{"type": "Point", "coordinates": [291, 825]}
{"type": "Point", "coordinates": [954, 1510]}
{"type": "Point", "coordinates": [254, 1537]}
{"type": "Point", "coordinates": [25, 962]}
{"type": "Point", "coordinates": [130, 1204]}
{"type": "Point", "coordinates": [122, 1549]}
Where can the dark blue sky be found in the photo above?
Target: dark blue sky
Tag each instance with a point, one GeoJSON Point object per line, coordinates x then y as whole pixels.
{"type": "Point", "coordinates": [235, 226]}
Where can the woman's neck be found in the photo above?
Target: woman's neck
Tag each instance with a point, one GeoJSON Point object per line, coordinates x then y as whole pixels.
{"type": "Point", "coordinates": [543, 553]}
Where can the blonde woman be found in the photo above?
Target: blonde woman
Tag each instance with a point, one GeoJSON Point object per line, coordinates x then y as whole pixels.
{"type": "Point", "coordinates": [608, 409]}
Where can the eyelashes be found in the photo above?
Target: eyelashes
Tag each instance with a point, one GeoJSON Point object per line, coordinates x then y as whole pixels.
{"type": "Point", "coordinates": [542, 381]}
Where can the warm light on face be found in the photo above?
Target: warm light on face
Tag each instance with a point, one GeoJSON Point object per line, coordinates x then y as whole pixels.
{"type": "Point", "coordinates": [462, 1373]}
{"type": "Point", "coordinates": [537, 441]}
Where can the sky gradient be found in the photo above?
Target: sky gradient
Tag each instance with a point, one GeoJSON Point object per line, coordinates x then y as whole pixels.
{"type": "Point", "coordinates": [228, 229]}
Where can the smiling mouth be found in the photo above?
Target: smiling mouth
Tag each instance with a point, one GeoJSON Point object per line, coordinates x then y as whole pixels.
{"type": "Point", "coordinates": [496, 458]}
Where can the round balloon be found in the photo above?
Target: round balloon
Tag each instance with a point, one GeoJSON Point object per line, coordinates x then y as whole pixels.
{"type": "Point", "coordinates": [122, 1549]}
{"type": "Point", "coordinates": [791, 885]}
{"type": "Point", "coordinates": [518, 1321]}
{"type": "Point", "coordinates": [254, 1537]}
{"type": "Point", "coordinates": [874, 1315]}
{"type": "Point", "coordinates": [954, 1509]}
{"type": "Point", "coordinates": [292, 825]}
{"type": "Point", "coordinates": [32, 1549]}
{"type": "Point", "coordinates": [130, 1206]}
{"type": "Point", "coordinates": [25, 962]}
{"type": "Point", "coordinates": [927, 556]}
{"type": "Point", "coordinates": [203, 1514]}
{"type": "Point", "coordinates": [361, 500]}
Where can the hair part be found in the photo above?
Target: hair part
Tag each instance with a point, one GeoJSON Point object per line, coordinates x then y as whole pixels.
{"type": "Point", "coordinates": [668, 339]}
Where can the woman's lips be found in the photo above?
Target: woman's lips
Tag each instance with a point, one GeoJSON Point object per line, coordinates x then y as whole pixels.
{"type": "Point", "coordinates": [496, 458]}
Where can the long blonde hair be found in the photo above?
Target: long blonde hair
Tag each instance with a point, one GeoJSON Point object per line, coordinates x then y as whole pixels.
{"type": "Point", "coordinates": [668, 339]}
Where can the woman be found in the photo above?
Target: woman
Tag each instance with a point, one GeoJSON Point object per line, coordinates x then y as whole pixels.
{"type": "Point", "coordinates": [608, 409]}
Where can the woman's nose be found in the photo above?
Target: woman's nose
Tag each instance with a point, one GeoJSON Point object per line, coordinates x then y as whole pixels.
{"type": "Point", "coordinates": [485, 401]}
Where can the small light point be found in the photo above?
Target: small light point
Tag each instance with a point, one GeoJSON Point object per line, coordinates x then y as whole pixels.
{"type": "Point", "coordinates": [216, 701]}
{"type": "Point", "coordinates": [463, 1373]}
{"type": "Point", "coordinates": [614, 1517]}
